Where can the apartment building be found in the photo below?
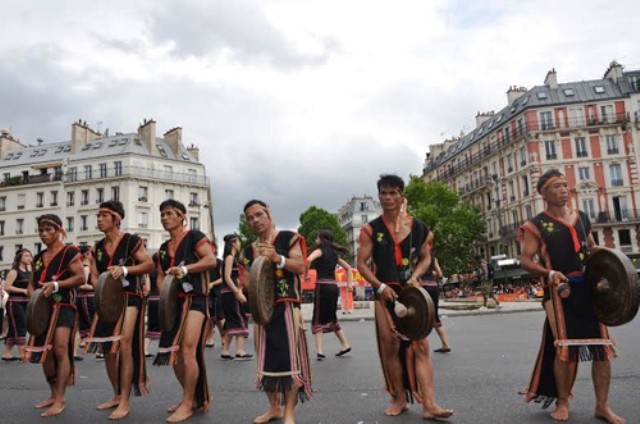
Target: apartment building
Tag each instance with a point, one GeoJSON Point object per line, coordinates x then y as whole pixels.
{"type": "Point", "coordinates": [353, 215]}
{"type": "Point", "coordinates": [589, 130]}
{"type": "Point", "coordinates": [72, 178]}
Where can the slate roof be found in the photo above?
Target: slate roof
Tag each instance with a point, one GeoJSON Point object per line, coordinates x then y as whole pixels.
{"type": "Point", "coordinates": [540, 97]}
{"type": "Point", "coordinates": [117, 145]}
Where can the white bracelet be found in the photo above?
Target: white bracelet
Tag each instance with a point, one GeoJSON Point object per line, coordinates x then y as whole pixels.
{"type": "Point", "coordinates": [184, 270]}
{"type": "Point", "coordinates": [125, 271]}
{"type": "Point", "coordinates": [381, 288]}
{"type": "Point", "coordinates": [282, 263]}
{"type": "Point", "coordinates": [56, 286]}
{"type": "Point", "coordinates": [550, 275]}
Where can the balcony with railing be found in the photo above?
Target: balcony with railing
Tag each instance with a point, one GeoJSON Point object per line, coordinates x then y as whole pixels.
{"type": "Point", "coordinates": [144, 173]}
{"type": "Point", "coordinates": [465, 162]}
{"type": "Point", "coordinates": [618, 217]}
{"type": "Point", "coordinates": [525, 129]}
{"type": "Point", "coordinates": [510, 230]}
{"type": "Point", "coordinates": [607, 119]}
{"type": "Point", "coordinates": [30, 179]}
{"type": "Point", "coordinates": [617, 182]}
{"type": "Point", "coordinates": [475, 185]}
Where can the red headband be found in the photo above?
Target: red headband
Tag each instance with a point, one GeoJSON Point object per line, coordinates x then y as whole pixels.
{"type": "Point", "coordinates": [550, 181]}
{"type": "Point", "coordinates": [55, 225]}
{"type": "Point", "coordinates": [116, 216]}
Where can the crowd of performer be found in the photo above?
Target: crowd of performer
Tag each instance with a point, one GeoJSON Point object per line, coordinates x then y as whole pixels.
{"type": "Point", "coordinates": [396, 252]}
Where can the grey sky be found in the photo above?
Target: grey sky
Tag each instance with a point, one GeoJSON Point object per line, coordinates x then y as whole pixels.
{"type": "Point", "coordinates": [297, 103]}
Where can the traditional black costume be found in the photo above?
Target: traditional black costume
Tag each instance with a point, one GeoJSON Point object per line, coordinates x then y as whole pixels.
{"type": "Point", "coordinates": [393, 262]}
{"type": "Point", "coordinates": [106, 337]}
{"type": "Point", "coordinates": [281, 346]}
{"type": "Point", "coordinates": [64, 313]}
{"type": "Point", "coordinates": [235, 323]}
{"type": "Point", "coordinates": [326, 292]}
{"type": "Point", "coordinates": [580, 336]}
{"type": "Point", "coordinates": [192, 296]}
{"type": "Point", "coordinates": [17, 309]}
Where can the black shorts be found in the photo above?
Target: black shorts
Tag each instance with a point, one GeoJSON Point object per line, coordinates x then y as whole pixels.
{"type": "Point", "coordinates": [199, 303]}
{"type": "Point", "coordinates": [134, 300]}
{"type": "Point", "coordinates": [66, 317]}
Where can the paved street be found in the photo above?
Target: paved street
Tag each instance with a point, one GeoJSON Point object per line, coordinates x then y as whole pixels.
{"type": "Point", "coordinates": [491, 360]}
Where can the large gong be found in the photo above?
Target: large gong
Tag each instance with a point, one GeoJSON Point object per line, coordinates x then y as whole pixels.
{"type": "Point", "coordinates": [39, 313]}
{"type": "Point", "coordinates": [262, 290]}
{"type": "Point", "coordinates": [613, 281]}
{"type": "Point", "coordinates": [420, 317]}
{"type": "Point", "coordinates": [168, 304]}
{"type": "Point", "coordinates": [109, 298]}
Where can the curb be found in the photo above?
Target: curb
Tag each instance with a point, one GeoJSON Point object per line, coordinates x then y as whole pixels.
{"type": "Point", "coordinates": [443, 312]}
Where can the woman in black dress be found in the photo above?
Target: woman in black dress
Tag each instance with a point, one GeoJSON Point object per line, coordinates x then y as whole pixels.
{"type": "Point", "coordinates": [16, 283]}
{"type": "Point", "coordinates": [325, 258]}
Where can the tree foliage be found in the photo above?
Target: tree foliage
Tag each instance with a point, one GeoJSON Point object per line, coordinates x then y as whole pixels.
{"type": "Point", "coordinates": [314, 219]}
{"type": "Point", "coordinates": [457, 225]}
{"type": "Point", "coordinates": [246, 235]}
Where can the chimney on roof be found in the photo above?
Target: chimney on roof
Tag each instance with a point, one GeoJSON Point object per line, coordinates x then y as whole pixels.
{"type": "Point", "coordinates": [195, 152]}
{"type": "Point", "coordinates": [551, 80]}
{"type": "Point", "coordinates": [614, 71]}
{"type": "Point", "coordinates": [81, 134]}
{"type": "Point", "coordinates": [173, 137]}
{"type": "Point", "coordinates": [514, 93]}
{"type": "Point", "coordinates": [7, 142]}
{"type": "Point", "coordinates": [147, 132]}
{"type": "Point", "coordinates": [482, 117]}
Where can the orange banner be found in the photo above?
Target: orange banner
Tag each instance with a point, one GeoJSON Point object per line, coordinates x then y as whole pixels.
{"type": "Point", "coordinates": [512, 297]}
{"type": "Point", "coordinates": [341, 279]}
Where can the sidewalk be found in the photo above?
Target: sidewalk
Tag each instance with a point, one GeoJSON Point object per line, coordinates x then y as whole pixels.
{"type": "Point", "coordinates": [364, 310]}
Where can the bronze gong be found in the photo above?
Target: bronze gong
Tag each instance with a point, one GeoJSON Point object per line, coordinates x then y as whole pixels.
{"type": "Point", "coordinates": [262, 290]}
{"type": "Point", "coordinates": [615, 290]}
{"type": "Point", "coordinates": [39, 313]}
{"type": "Point", "coordinates": [421, 313]}
{"type": "Point", "coordinates": [168, 304]}
{"type": "Point", "coordinates": [109, 298]}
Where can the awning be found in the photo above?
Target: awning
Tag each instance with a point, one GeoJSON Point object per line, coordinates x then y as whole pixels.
{"type": "Point", "coordinates": [46, 165]}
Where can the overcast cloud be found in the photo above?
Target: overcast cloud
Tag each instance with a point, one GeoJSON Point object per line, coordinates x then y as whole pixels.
{"type": "Point", "coordinates": [298, 103]}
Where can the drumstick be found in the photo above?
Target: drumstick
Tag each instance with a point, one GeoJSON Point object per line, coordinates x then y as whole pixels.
{"type": "Point", "coordinates": [399, 308]}
{"type": "Point", "coordinates": [403, 212]}
{"type": "Point", "coordinates": [564, 290]}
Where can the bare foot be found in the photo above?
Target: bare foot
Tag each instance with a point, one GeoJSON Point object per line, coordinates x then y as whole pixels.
{"type": "Point", "coordinates": [396, 408]}
{"type": "Point", "coordinates": [562, 412]}
{"type": "Point", "coordinates": [273, 413]}
{"type": "Point", "coordinates": [174, 408]}
{"type": "Point", "coordinates": [182, 413]}
{"type": "Point", "coordinates": [606, 414]}
{"type": "Point", "coordinates": [435, 412]}
{"type": "Point", "coordinates": [121, 412]}
{"type": "Point", "coordinates": [289, 420]}
{"type": "Point", "coordinates": [45, 403]}
{"type": "Point", "coordinates": [55, 409]}
{"type": "Point", "coordinates": [112, 403]}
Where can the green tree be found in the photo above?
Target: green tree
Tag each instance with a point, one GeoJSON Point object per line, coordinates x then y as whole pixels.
{"type": "Point", "coordinates": [246, 235]}
{"type": "Point", "coordinates": [314, 219]}
{"type": "Point", "coordinates": [457, 226]}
